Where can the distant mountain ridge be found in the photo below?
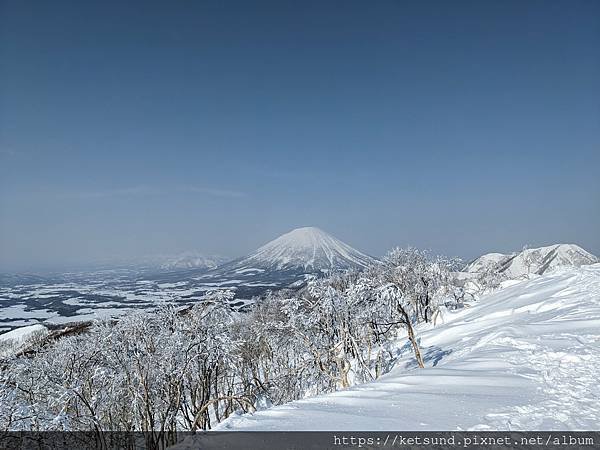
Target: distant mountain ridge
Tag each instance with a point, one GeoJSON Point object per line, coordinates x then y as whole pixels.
{"type": "Point", "coordinates": [532, 260]}
{"type": "Point", "coordinates": [191, 260]}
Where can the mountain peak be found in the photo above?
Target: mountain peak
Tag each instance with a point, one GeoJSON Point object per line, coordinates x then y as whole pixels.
{"type": "Point", "coordinates": [533, 260]}
{"type": "Point", "coordinates": [307, 230]}
{"type": "Point", "coordinates": [302, 237]}
{"type": "Point", "coordinates": [308, 248]}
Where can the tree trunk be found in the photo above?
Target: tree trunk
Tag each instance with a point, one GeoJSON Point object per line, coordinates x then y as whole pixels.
{"type": "Point", "coordinates": [411, 336]}
{"type": "Point", "coordinates": [415, 345]}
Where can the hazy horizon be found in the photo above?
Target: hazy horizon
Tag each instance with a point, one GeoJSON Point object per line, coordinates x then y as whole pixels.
{"type": "Point", "coordinates": [135, 129]}
{"type": "Point", "coordinates": [157, 257]}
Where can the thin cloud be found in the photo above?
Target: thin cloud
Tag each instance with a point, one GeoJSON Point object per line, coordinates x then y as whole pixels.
{"type": "Point", "coordinates": [214, 192]}
{"type": "Point", "coordinates": [146, 191]}
{"type": "Point", "coordinates": [107, 193]}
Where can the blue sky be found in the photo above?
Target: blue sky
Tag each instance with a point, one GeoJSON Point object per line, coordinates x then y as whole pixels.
{"type": "Point", "coordinates": [135, 128]}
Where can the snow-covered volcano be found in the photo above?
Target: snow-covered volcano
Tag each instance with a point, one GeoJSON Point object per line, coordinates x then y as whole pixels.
{"type": "Point", "coordinates": [309, 249]}
{"type": "Point", "coordinates": [533, 260]}
{"type": "Point", "coordinates": [286, 262]}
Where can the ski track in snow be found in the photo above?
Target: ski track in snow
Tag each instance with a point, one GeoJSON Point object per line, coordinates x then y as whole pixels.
{"type": "Point", "coordinates": [523, 358]}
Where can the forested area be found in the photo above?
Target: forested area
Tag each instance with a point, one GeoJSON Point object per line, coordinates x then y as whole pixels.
{"type": "Point", "coordinates": [176, 370]}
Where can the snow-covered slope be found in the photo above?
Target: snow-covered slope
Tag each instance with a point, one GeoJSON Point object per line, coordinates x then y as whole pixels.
{"type": "Point", "coordinates": [486, 262]}
{"type": "Point", "coordinates": [307, 249]}
{"type": "Point", "coordinates": [523, 358]}
{"type": "Point", "coordinates": [19, 338]}
{"type": "Point", "coordinates": [533, 260]}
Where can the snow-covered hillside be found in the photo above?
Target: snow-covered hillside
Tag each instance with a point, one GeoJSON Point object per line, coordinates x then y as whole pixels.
{"type": "Point", "coordinates": [523, 358]}
{"type": "Point", "coordinates": [489, 261]}
{"type": "Point", "coordinates": [308, 249]}
{"type": "Point", "coordinates": [18, 339]}
{"type": "Point", "coordinates": [532, 260]}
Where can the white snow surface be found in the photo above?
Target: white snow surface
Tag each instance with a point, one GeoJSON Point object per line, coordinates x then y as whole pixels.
{"type": "Point", "coordinates": [533, 260]}
{"type": "Point", "coordinates": [485, 262]}
{"type": "Point", "coordinates": [307, 248]}
{"type": "Point", "coordinates": [523, 358]}
{"type": "Point", "coordinates": [17, 339]}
